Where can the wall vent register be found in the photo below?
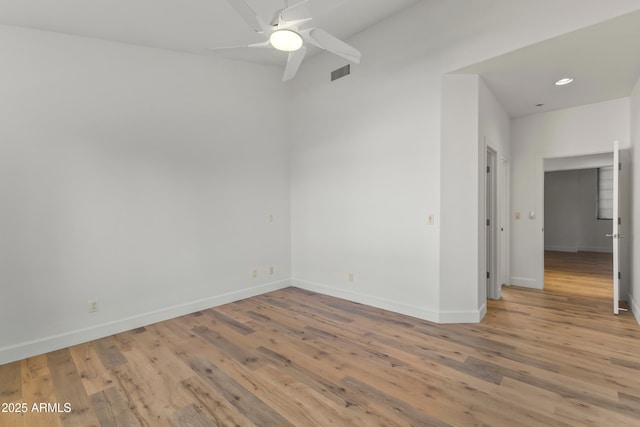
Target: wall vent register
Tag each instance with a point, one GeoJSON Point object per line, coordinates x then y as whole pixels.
{"type": "Point", "coordinates": [341, 72]}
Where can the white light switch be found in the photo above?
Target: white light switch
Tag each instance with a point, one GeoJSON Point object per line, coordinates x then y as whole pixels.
{"type": "Point", "coordinates": [517, 215]}
{"type": "Point", "coordinates": [532, 215]}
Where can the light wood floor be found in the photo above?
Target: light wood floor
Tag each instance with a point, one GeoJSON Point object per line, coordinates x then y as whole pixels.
{"type": "Point", "coordinates": [294, 358]}
{"type": "Point", "coordinates": [588, 274]}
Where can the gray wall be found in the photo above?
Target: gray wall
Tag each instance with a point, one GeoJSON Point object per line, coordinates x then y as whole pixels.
{"type": "Point", "coordinates": [570, 213]}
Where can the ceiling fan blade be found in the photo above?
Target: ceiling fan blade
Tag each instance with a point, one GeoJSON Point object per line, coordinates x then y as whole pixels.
{"type": "Point", "coordinates": [261, 45]}
{"type": "Point", "coordinates": [249, 16]}
{"type": "Point", "coordinates": [295, 15]}
{"type": "Point", "coordinates": [324, 40]}
{"type": "Point", "coordinates": [285, 25]}
{"type": "Point", "coordinates": [293, 63]}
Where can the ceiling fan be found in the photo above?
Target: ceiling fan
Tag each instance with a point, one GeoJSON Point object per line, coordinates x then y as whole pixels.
{"type": "Point", "coordinates": [287, 31]}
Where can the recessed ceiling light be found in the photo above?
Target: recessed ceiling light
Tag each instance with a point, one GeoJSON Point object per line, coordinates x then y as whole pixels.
{"type": "Point", "coordinates": [286, 40]}
{"type": "Point", "coordinates": [564, 81]}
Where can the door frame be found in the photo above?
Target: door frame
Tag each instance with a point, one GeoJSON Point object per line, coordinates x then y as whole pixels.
{"type": "Point", "coordinates": [504, 209]}
{"type": "Point", "coordinates": [615, 232]}
{"type": "Point", "coordinates": [540, 171]}
{"type": "Point", "coordinates": [491, 223]}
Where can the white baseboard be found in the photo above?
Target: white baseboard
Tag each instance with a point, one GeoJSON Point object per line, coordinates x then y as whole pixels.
{"type": "Point", "coordinates": [635, 307]}
{"type": "Point", "coordinates": [26, 349]}
{"type": "Point", "coordinates": [474, 316]}
{"type": "Point", "coordinates": [386, 304]}
{"type": "Point", "coordinates": [557, 248]}
{"type": "Point", "coordinates": [574, 249]}
{"type": "Point", "coordinates": [605, 249]}
{"type": "Point", "coordinates": [525, 282]}
{"type": "Point", "coordinates": [395, 306]}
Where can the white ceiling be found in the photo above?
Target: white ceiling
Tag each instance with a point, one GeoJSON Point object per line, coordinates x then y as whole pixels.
{"type": "Point", "coordinates": [604, 60]}
{"type": "Point", "coordinates": [187, 25]}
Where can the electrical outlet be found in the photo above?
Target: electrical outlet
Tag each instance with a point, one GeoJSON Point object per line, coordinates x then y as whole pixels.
{"type": "Point", "coordinates": [431, 219]}
{"type": "Point", "coordinates": [271, 270]}
{"type": "Point", "coordinates": [93, 305]}
{"type": "Point", "coordinates": [270, 218]}
{"type": "Point", "coordinates": [351, 277]}
{"type": "Point", "coordinates": [254, 273]}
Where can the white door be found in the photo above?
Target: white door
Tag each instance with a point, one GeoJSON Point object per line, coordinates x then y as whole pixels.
{"type": "Point", "coordinates": [615, 234]}
{"type": "Point", "coordinates": [490, 234]}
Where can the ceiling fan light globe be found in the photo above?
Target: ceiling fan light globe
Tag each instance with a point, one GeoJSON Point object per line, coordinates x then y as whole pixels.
{"type": "Point", "coordinates": [286, 40]}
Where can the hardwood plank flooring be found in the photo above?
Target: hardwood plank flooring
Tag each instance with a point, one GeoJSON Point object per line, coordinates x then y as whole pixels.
{"type": "Point", "coordinates": [295, 358]}
{"type": "Point", "coordinates": [580, 274]}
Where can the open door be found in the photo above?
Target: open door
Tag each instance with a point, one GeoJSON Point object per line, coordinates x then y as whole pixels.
{"type": "Point", "coordinates": [615, 233]}
{"type": "Point", "coordinates": [493, 287]}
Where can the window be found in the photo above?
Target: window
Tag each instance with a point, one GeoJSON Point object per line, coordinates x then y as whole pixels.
{"type": "Point", "coordinates": [605, 193]}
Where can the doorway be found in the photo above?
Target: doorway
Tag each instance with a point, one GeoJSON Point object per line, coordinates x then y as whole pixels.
{"type": "Point", "coordinates": [577, 253]}
{"type": "Point", "coordinates": [578, 249]}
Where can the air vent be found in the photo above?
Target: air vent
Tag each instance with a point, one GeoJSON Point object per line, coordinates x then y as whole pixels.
{"type": "Point", "coordinates": [341, 72]}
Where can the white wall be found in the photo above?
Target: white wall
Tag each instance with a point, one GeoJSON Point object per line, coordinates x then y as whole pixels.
{"type": "Point", "coordinates": [368, 158]}
{"type": "Point", "coordinates": [140, 177]}
{"type": "Point", "coordinates": [589, 161]}
{"type": "Point", "coordinates": [459, 215]}
{"type": "Point", "coordinates": [472, 121]}
{"type": "Point", "coordinates": [570, 206]}
{"type": "Point", "coordinates": [495, 133]}
{"type": "Point", "coordinates": [634, 294]}
{"type": "Point", "coordinates": [358, 160]}
{"type": "Point", "coordinates": [587, 129]}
